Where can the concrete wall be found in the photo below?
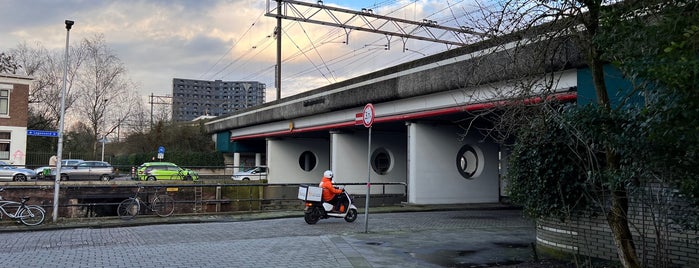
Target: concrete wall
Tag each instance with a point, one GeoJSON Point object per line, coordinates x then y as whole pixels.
{"type": "Point", "coordinates": [283, 159]}
{"type": "Point", "coordinates": [433, 177]}
{"type": "Point", "coordinates": [350, 152]}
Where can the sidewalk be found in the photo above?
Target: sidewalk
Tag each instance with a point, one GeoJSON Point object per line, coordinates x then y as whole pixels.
{"type": "Point", "coordinates": [482, 235]}
{"type": "Point", "coordinates": [107, 222]}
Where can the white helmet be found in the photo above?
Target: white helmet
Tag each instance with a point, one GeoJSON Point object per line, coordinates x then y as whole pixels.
{"type": "Point", "coordinates": [328, 174]}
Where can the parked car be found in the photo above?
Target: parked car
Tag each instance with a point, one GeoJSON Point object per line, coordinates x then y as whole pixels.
{"type": "Point", "coordinates": [70, 162]}
{"type": "Point", "coordinates": [152, 171]}
{"type": "Point", "coordinates": [88, 170]}
{"type": "Point", "coordinates": [12, 173]}
{"type": "Point", "coordinates": [254, 173]}
{"type": "Point", "coordinates": [47, 172]}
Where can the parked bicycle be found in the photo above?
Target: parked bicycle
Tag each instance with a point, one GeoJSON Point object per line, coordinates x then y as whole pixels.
{"type": "Point", "coordinates": [29, 215]}
{"type": "Point", "coordinates": [163, 205]}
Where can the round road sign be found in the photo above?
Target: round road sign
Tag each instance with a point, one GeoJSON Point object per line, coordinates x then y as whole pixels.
{"type": "Point", "coordinates": [369, 114]}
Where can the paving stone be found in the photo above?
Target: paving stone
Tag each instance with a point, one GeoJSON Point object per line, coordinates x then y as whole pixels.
{"type": "Point", "coordinates": [406, 239]}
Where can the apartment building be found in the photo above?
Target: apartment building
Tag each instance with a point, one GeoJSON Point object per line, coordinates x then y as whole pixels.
{"type": "Point", "coordinates": [194, 98]}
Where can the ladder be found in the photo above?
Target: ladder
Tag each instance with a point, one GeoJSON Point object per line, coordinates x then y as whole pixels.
{"type": "Point", "coordinates": [198, 198]}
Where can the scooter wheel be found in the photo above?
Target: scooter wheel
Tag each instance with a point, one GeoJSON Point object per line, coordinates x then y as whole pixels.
{"type": "Point", "coordinates": [351, 215]}
{"type": "Point", "coordinates": [312, 216]}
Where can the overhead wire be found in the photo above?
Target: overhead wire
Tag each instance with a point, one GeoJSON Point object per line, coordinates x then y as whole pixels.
{"type": "Point", "coordinates": [233, 46]}
{"type": "Point", "coordinates": [257, 48]}
{"type": "Point", "coordinates": [366, 49]}
{"type": "Point", "coordinates": [295, 55]}
{"type": "Point", "coordinates": [359, 60]}
{"type": "Point", "coordinates": [301, 51]}
{"type": "Point", "coordinates": [239, 58]}
{"type": "Point", "coordinates": [304, 54]}
{"type": "Point", "coordinates": [337, 60]}
{"type": "Point", "coordinates": [316, 50]}
{"type": "Point", "coordinates": [355, 59]}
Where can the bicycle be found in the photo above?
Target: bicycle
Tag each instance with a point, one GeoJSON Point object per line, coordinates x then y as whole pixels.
{"type": "Point", "coordinates": [165, 174]}
{"type": "Point", "coordinates": [163, 205]}
{"type": "Point", "coordinates": [28, 215]}
{"type": "Point", "coordinates": [185, 175]}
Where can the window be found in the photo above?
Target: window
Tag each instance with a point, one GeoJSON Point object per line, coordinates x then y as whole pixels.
{"type": "Point", "coordinates": [381, 161]}
{"type": "Point", "coordinates": [307, 161]}
{"type": "Point", "coordinates": [4, 102]}
{"type": "Point", "coordinates": [5, 138]}
{"type": "Point", "coordinates": [469, 161]}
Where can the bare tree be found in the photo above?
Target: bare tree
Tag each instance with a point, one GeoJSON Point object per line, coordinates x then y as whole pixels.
{"type": "Point", "coordinates": [8, 64]}
{"type": "Point", "coordinates": [47, 69]}
{"type": "Point", "coordinates": [107, 97]}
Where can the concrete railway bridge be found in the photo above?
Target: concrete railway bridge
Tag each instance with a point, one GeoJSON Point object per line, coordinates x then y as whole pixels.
{"type": "Point", "coordinates": [418, 134]}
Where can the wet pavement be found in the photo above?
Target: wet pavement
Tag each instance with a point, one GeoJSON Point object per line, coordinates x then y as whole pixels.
{"type": "Point", "coordinates": [428, 236]}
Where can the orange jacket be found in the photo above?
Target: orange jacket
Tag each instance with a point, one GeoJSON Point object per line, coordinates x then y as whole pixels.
{"type": "Point", "coordinates": [329, 191]}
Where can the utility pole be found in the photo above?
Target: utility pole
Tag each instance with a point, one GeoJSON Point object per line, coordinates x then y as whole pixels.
{"type": "Point", "coordinates": [157, 100]}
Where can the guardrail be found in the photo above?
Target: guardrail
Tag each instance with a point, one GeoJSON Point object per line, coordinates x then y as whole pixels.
{"type": "Point", "coordinates": [100, 199]}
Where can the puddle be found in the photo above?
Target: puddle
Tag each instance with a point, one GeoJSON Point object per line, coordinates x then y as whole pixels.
{"type": "Point", "coordinates": [456, 259]}
{"type": "Point", "coordinates": [500, 253]}
{"type": "Point", "coordinates": [475, 217]}
{"type": "Point", "coordinates": [495, 264]}
{"type": "Point", "coordinates": [511, 245]}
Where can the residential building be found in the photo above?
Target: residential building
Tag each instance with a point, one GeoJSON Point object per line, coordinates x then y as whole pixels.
{"type": "Point", "coordinates": [194, 98]}
{"type": "Point", "coordinates": [14, 110]}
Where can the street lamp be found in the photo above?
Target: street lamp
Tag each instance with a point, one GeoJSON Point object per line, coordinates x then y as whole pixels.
{"type": "Point", "coordinates": [57, 178]}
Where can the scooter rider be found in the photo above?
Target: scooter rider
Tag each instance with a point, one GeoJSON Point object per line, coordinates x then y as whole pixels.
{"type": "Point", "coordinates": [331, 194]}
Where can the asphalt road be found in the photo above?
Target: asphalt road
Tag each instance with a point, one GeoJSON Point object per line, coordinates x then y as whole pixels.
{"type": "Point", "coordinates": [464, 238]}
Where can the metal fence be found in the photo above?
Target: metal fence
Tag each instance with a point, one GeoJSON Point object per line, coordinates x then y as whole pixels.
{"type": "Point", "coordinates": [39, 159]}
{"type": "Point", "coordinates": [98, 199]}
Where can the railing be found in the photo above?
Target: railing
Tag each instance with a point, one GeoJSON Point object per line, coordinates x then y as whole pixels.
{"type": "Point", "coordinates": [99, 199]}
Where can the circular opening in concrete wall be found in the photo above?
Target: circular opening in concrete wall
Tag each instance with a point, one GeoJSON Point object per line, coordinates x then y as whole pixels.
{"type": "Point", "coordinates": [307, 161]}
{"type": "Point", "coordinates": [381, 161]}
{"type": "Point", "coordinates": [469, 161]}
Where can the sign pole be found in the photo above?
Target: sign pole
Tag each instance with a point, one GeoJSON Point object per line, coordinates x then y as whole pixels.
{"type": "Point", "coordinates": [367, 117]}
{"type": "Point", "coordinates": [368, 187]}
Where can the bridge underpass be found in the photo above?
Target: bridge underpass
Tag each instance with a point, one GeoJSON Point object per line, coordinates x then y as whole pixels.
{"type": "Point", "coordinates": [417, 136]}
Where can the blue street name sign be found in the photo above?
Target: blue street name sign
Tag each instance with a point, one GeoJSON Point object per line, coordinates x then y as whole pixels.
{"type": "Point", "coordinates": [42, 133]}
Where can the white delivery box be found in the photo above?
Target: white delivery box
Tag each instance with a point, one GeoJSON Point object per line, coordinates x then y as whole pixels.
{"type": "Point", "coordinates": [310, 193]}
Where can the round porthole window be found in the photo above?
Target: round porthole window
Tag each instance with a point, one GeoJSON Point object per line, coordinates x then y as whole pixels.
{"type": "Point", "coordinates": [307, 161]}
{"type": "Point", "coordinates": [381, 161]}
{"type": "Point", "coordinates": [468, 161]}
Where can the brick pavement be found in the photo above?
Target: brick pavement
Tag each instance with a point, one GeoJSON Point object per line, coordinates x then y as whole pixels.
{"type": "Point", "coordinates": [414, 239]}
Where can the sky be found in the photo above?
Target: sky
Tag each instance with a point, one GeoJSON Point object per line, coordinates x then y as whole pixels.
{"type": "Point", "coordinates": [231, 40]}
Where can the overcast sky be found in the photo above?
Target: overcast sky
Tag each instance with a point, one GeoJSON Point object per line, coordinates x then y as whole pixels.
{"type": "Point", "coordinates": [159, 40]}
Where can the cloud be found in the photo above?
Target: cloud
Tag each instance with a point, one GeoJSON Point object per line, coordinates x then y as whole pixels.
{"type": "Point", "coordinates": [230, 40]}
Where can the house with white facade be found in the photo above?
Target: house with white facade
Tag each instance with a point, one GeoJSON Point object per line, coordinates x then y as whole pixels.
{"type": "Point", "coordinates": [14, 114]}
